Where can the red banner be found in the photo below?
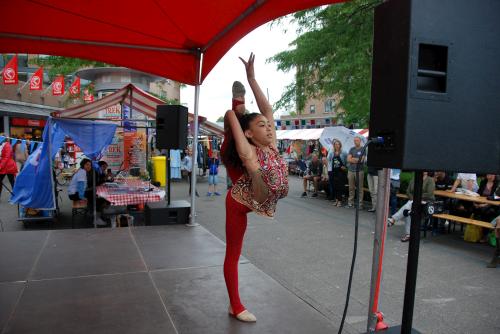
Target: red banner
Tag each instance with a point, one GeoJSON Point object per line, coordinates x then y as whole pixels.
{"type": "Point", "coordinates": [87, 97]}
{"type": "Point", "coordinates": [58, 86]}
{"type": "Point", "coordinates": [36, 81]}
{"type": "Point", "coordinates": [74, 90]}
{"type": "Point", "coordinates": [10, 72]}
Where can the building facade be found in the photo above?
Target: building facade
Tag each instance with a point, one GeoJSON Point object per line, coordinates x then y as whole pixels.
{"type": "Point", "coordinates": [23, 112]}
{"type": "Point", "coordinates": [317, 113]}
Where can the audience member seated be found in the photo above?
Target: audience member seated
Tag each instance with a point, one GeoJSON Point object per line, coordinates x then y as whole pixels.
{"type": "Point", "coordinates": [428, 187]}
{"type": "Point", "coordinates": [483, 211]}
{"type": "Point", "coordinates": [78, 184]}
{"type": "Point", "coordinates": [442, 181]}
{"type": "Point", "coordinates": [101, 176]}
{"type": "Point", "coordinates": [314, 171]}
{"type": "Point", "coordinates": [496, 255]}
{"type": "Point", "coordinates": [467, 182]}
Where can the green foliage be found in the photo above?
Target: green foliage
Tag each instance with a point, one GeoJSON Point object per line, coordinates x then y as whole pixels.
{"type": "Point", "coordinates": [332, 54]}
{"type": "Point", "coordinates": [63, 65]}
{"type": "Point", "coordinates": [167, 101]}
{"type": "Point", "coordinates": [404, 179]}
{"type": "Point", "coordinates": [220, 119]}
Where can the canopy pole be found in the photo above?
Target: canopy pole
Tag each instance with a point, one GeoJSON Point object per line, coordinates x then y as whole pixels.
{"type": "Point", "coordinates": [195, 144]}
{"type": "Point", "coordinates": [51, 167]}
{"type": "Point", "coordinates": [94, 190]}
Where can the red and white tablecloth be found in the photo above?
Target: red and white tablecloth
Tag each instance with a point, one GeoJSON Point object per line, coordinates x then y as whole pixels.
{"type": "Point", "coordinates": [130, 192]}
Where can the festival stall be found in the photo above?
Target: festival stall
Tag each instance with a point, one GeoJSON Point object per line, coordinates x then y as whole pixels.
{"type": "Point", "coordinates": [35, 185]}
{"type": "Point", "coordinates": [134, 112]}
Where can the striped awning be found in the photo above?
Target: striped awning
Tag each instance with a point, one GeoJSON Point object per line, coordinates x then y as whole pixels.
{"type": "Point", "coordinates": [130, 95]}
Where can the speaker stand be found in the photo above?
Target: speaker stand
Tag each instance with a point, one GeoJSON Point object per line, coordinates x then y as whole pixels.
{"type": "Point", "coordinates": [167, 161]}
{"type": "Point", "coordinates": [413, 250]}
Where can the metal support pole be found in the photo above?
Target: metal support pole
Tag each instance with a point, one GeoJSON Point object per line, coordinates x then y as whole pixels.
{"type": "Point", "coordinates": [412, 266]}
{"type": "Point", "coordinates": [168, 176]}
{"type": "Point", "coordinates": [195, 145]}
{"type": "Point", "coordinates": [383, 196]}
{"type": "Point", "coordinates": [94, 195]}
{"type": "Point", "coordinates": [51, 168]}
{"type": "Point", "coordinates": [94, 190]}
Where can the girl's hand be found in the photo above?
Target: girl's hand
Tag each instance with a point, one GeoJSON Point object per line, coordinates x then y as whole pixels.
{"type": "Point", "coordinates": [249, 66]}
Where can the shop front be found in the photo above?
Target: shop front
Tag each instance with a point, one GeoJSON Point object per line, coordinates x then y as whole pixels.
{"type": "Point", "coordinates": [26, 128]}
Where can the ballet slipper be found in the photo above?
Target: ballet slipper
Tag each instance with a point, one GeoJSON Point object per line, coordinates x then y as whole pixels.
{"type": "Point", "coordinates": [244, 316]}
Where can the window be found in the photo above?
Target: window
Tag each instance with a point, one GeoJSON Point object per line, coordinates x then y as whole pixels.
{"type": "Point", "coordinates": [312, 108]}
{"type": "Point", "coordinates": [329, 105]}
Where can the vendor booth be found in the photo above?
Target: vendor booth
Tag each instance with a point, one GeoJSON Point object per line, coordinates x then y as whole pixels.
{"type": "Point", "coordinates": [35, 184]}
{"type": "Point", "coordinates": [134, 113]}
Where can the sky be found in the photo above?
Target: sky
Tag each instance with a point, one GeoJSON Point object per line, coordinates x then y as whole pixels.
{"type": "Point", "coordinates": [215, 92]}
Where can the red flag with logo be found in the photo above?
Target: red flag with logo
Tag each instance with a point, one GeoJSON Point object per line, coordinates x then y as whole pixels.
{"type": "Point", "coordinates": [58, 86]}
{"type": "Point", "coordinates": [10, 72]}
{"type": "Point", "coordinates": [36, 81]}
{"type": "Point", "coordinates": [74, 90]}
{"type": "Point", "coordinates": [87, 96]}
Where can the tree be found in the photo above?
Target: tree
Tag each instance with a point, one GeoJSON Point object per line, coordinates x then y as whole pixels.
{"type": "Point", "coordinates": [332, 54]}
{"type": "Point", "coordinates": [63, 65]}
{"type": "Point", "coordinates": [220, 119]}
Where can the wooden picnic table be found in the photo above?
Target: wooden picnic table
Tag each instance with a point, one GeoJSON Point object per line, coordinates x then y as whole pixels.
{"type": "Point", "coordinates": [463, 197]}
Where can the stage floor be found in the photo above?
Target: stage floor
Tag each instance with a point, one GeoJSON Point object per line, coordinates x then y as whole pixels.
{"type": "Point", "coordinates": [163, 279]}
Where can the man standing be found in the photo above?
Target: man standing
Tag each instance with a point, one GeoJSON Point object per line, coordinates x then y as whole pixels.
{"type": "Point", "coordinates": [314, 174]}
{"type": "Point", "coordinates": [187, 165]}
{"type": "Point", "coordinates": [353, 158]}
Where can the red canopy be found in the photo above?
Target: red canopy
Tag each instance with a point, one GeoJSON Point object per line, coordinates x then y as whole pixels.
{"type": "Point", "coordinates": [161, 37]}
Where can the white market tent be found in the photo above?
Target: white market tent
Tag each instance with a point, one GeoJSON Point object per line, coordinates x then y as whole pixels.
{"type": "Point", "coordinates": [324, 135]}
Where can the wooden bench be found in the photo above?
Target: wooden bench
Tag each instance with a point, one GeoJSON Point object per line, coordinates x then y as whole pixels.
{"type": "Point", "coordinates": [463, 220]}
{"type": "Point", "coordinates": [402, 196]}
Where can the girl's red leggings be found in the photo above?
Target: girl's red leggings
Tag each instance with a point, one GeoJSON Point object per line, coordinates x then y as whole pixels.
{"type": "Point", "coordinates": [236, 224]}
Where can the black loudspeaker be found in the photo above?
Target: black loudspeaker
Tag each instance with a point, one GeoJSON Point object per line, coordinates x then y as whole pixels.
{"type": "Point", "coordinates": [160, 213]}
{"type": "Point", "coordinates": [435, 85]}
{"type": "Point", "coordinates": [171, 127]}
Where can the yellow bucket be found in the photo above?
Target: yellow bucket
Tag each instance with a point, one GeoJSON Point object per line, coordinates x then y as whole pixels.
{"type": "Point", "coordinates": [160, 169]}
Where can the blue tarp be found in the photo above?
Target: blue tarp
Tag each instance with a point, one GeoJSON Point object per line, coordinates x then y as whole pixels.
{"type": "Point", "coordinates": [34, 184]}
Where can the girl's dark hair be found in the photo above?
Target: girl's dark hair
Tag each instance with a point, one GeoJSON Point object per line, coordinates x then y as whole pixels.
{"type": "Point", "coordinates": [230, 156]}
{"type": "Point", "coordinates": [83, 162]}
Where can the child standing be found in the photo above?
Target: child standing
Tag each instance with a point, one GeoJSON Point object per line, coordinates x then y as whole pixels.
{"type": "Point", "coordinates": [213, 171]}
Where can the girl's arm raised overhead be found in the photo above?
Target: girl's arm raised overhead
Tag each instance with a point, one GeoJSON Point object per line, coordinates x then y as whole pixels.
{"type": "Point", "coordinates": [262, 102]}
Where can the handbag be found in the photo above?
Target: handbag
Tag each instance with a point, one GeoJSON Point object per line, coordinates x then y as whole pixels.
{"type": "Point", "coordinates": [492, 240]}
{"type": "Point", "coordinates": [472, 233]}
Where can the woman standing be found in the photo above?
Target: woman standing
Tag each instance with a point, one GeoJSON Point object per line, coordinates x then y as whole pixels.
{"type": "Point", "coordinates": [337, 162]}
{"type": "Point", "coordinates": [258, 173]}
{"type": "Point", "coordinates": [7, 164]}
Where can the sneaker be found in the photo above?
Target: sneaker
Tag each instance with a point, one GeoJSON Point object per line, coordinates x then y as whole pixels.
{"type": "Point", "coordinates": [315, 195]}
{"type": "Point", "coordinates": [216, 194]}
{"type": "Point", "coordinates": [304, 194]}
{"type": "Point", "coordinates": [371, 210]}
{"type": "Point", "coordinates": [405, 238]}
{"type": "Point", "coordinates": [350, 206]}
{"type": "Point", "coordinates": [209, 194]}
